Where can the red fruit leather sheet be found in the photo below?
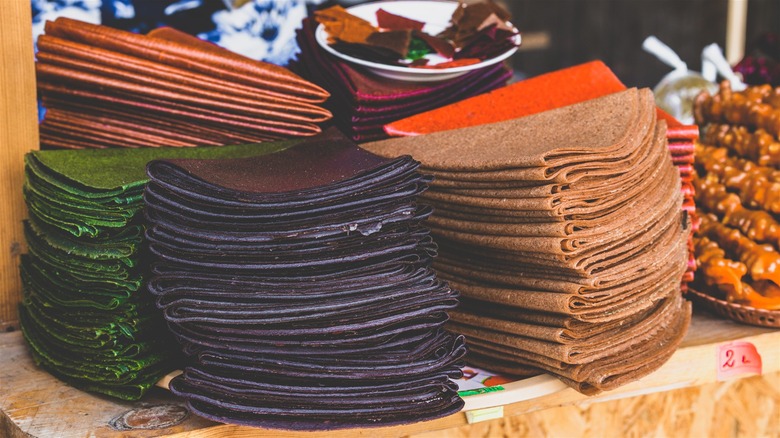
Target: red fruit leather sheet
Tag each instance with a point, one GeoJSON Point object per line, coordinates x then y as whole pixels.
{"type": "Point", "coordinates": [541, 93]}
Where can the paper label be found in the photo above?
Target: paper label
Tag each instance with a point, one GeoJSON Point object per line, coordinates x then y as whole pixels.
{"type": "Point", "coordinates": [736, 359]}
{"type": "Point", "coordinates": [475, 378]}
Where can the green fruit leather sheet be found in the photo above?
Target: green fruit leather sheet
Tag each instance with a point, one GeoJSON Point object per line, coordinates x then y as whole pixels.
{"type": "Point", "coordinates": [115, 337]}
{"type": "Point", "coordinates": [66, 283]}
{"type": "Point", "coordinates": [121, 246]}
{"type": "Point", "coordinates": [101, 173]}
{"type": "Point", "coordinates": [117, 268]}
{"type": "Point", "coordinates": [123, 376]}
{"type": "Point", "coordinates": [89, 327]}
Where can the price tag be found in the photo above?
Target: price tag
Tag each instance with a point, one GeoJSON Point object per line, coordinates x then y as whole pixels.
{"type": "Point", "coordinates": [737, 358]}
{"type": "Point", "coordinates": [486, 414]}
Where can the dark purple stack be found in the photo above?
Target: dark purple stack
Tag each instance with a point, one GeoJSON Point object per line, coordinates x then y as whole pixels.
{"type": "Point", "coordinates": [299, 285]}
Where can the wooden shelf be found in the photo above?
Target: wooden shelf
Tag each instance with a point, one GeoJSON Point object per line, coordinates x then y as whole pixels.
{"type": "Point", "coordinates": [18, 135]}
{"type": "Point", "coordinates": [35, 403]}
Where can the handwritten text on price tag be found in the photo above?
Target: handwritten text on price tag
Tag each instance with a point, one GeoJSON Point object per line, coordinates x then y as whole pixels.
{"type": "Point", "coordinates": [737, 358]}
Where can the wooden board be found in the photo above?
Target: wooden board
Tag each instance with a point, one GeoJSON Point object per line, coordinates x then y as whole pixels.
{"type": "Point", "coordinates": [746, 408]}
{"type": "Point", "coordinates": [18, 134]}
{"type": "Point", "coordinates": [35, 403]}
{"type": "Point", "coordinates": [706, 332]}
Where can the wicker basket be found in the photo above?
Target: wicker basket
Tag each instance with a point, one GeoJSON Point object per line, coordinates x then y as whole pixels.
{"type": "Point", "coordinates": [737, 312]}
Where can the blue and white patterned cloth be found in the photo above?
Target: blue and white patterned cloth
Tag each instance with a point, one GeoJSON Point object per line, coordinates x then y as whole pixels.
{"type": "Point", "coordinates": [46, 10]}
{"type": "Point", "coordinates": [260, 29]}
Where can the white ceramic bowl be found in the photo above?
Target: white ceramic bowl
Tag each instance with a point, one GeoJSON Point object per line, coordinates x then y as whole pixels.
{"type": "Point", "coordinates": [436, 15]}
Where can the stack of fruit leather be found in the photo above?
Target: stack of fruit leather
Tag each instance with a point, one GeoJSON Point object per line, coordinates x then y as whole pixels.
{"type": "Point", "coordinates": [549, 91]}
{"type": "Point", "coordinates": [564, 234]}
{"type": "Point", "coordinates": [300, 286]}
{"type": "Point", "coordinates": [84, 313]}
{"type": "Point", "coordinates": [104, 87]}
{"type": "Point", "coordinates": [362, 103]}
{"type": "Point", "coordinates": [682, 140]}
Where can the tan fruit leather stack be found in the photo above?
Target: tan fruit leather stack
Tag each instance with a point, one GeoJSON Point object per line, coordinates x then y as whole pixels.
{"type": "Point", "coordinates": [564, 234]}
{"type": "Point", "coordinates": [104, 87]}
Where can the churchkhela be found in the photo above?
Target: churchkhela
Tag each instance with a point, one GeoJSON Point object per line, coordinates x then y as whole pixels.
{"type": "Point", "coordinates": [737, 184]}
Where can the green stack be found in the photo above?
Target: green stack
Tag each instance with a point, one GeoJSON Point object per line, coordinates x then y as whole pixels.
{"type": "Point", "coordinates": [85, 312]}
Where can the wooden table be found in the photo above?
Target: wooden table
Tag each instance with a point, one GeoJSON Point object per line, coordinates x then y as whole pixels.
{"type": "Point", "coordinates": [35, 403]}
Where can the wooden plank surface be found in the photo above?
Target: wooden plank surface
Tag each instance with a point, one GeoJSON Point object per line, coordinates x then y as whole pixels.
{"type": "Point", "coordinates": [18, 134]}
{"type": "Point", "coordinates": [743, 408]}
{"type": "Point", "coordinates": [35, 403]}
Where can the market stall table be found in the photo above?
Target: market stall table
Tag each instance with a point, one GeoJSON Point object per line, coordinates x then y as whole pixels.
{"type": "Point", "coordinates": [684, 397]}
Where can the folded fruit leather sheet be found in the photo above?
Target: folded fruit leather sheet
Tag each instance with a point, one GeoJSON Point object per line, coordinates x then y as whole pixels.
{"type": "Point", "coordinates": [362, 102]}
{"type": "Point", "coordinates": [104, 87]}
{"type": "Point", "coordinates": [557, 228]}
{"type": "Point", "coordinates": [299, 285]}
{"type": "Point", "coordinates": [549, 91]}
{"type": "Point", "coordinates": [85, 314]}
